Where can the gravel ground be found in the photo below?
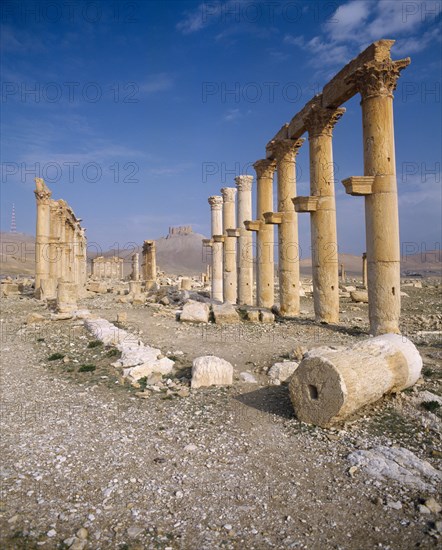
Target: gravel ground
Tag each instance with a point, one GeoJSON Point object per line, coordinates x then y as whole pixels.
{"type": "Point", "coordinates": [88, 464]}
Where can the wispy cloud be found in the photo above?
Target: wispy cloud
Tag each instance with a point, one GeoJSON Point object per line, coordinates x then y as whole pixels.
{"type": "Point", "coordinates": [357, 23]}
{"type": "Point", "coordinates": [157, 83]}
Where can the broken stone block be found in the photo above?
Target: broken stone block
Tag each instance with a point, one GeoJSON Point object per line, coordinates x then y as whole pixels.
{"type": "Point", "coordinates": [9, 289]}
{"type": "Point", "coordinates": [282, 371]}
{"type": "Point", "coordinates": [266, 316]}
{"type": "Point", "coordinates": [122, 317]}
{"type": "Point", "coordinates": [97, 286]}
{"type": "Point", "coordinates": [225, 314]}
{"type": "Point", "coordinates": [186, 283]}
{"type": "Point", "coordinates": [253, 316]}
{"type": "Point", "coordinates": [248, 377]}
{"type": "Point", "coordinates": [66, 297]}
{"type": "Point", "coordinates": [34, 318]}
{"type": "Point", "coordinates": [209, 370]}
{"type": "Point", "coordinates": [359, 296]}
{"type": "Point", "coordinates": [195, 312]}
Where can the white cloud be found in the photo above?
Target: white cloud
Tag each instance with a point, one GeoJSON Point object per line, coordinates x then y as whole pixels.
{"type": "Point", "coordinates": [347, 19]}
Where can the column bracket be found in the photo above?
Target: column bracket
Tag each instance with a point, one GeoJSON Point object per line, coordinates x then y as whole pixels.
{"type": "Point", "coordinates": [232, 232]}
{"type": "Point", "coordinates": [306, 204]}
{"type": "Point", "coordinates": [358, 185]}
{"type": "Point", "coordinates": [273, 218]}
{"type": "Point", "coordinates": [253, 225]}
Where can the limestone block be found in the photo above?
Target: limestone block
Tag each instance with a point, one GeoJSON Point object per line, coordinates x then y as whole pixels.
{"type": "Point", "coordinates": [9, 289]}
{"type": "Point", "coordinates": [398, 464]}
{"type": "Point", "coordinates": [225, 314]}
{"type": "Point", "coordinates": [66, 297]}
{"type": "Point", "coordinates": [253, 316]}
{"type": "Point", "coordinates": [34, 318]}
{"type": "Point", "coordinates": [97, 286]}
{"type": "Point", "coordinates": [330, 384]}
{"type": "Point", "coordinates": [195, 312]}
{"type": "Point", "coordinates": [359, 296]}
{"type": "Point", "coordinates": [209, 370]}
{"type": "Point", "coordinates": [186, 283]}
{"type": "Point", "coordinates": [248, 378]}
{"type": "Point", "coordinates": [266, 316]}
{"type": "Point", "coordinates": [283, 371]}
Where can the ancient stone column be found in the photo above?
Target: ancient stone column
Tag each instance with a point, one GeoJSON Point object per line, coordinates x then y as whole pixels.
{"type": "Point", "coordinates": [42, 236]}
{"type": "Point", "coordinates": [376, 81]}
{"type": "Point", "coordinates": [216, 205]}
{"type": "Point", "coordinates": [320, 123]}
{"type": "Point", "coordinates": [135, 267]}
{"type": "Point", "coordinates": [245, 240]}
{"type": "Point", "coordinates": [149, 263]}
{"type": "Point", "coordinates": [332, 383]}
{"type": "Point", "coordinates": [285, 151]}
{"type": "Point", "coordinates": [364, 270]}
{"type": "Point", "coordinates": [229, 256]}
{"type": "Point", "coordinates": [343, 277]}
{"type": "Point", "coordinates": [265, 239]}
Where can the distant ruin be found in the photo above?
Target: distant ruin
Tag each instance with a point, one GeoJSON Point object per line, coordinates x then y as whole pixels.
{"type": "Point", "coordinates": [179, 230]}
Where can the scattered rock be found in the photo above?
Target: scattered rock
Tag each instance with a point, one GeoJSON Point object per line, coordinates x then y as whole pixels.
{"type": "Point", "coordinates": [398, 464]}
{"type": "Point", "coordinates": [34, 318]}
{"type": "Point", "coordinates": [282, 371]}
{"type": "Point", "coordinates": [359, 296]}
{"type": "Point", "coordinates": [209, 370]}
{"type": "Point", "coordinates": [248, 377]}
{"type": "Point", "coordinates": [195, 312]}
{"type": "Point", "coordinates": [225, 314]}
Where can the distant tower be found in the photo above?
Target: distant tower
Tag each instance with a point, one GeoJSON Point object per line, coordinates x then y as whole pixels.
{"type": "Point", "coordinates": [13, 225]}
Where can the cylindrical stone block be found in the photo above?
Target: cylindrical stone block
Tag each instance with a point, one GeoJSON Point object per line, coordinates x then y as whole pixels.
{"type": "Point", "coordinates": [66, 297]}
{"type": "Point", "coordinates": [330, 384]}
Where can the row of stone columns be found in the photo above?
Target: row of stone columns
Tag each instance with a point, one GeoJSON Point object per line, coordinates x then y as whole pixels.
{"type": "Point", "coordinates": [375, 81]}
{"type": "Point", "coordinates": [60, 245]}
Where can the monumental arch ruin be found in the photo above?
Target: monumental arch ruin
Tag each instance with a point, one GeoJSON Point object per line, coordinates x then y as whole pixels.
{"type": "Point", "coordinates": [373, 75]}
{"type": "Point", "coordinates": [60, 245]}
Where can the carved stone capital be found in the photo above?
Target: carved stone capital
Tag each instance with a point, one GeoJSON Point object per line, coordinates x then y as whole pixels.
{"type": "Point", "coordinates": [228, 194]}
{"type": "Point", "coordinates": [216, 202]}
{"type": "Point", "coordinates": [320, 121]}
{"type": "Point", "coordinates": [376, 79]}
{"type": "Point", "coordinates": [264, 168]}
{"type": "Point", "coordinates": [42, 193]}
{"type": "Point", "coordinates": [244, 183]}
{"type": "Point", "coordinates": [283, 148]}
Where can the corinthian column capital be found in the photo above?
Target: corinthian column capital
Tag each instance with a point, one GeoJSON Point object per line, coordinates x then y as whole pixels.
{"type": "Point", "coordinates": [244, 183]}
{"type": "Point", "coordinates": [377, 78]}
{"type": "Point", "coordinates": [264, 168]}
{"type": "Point", "coordinates": [321, 121]}
{"type": "Point", "coordinates": [216, 202]}
{"type": "Point", "coordinates": [41, 192]}
{"type": "Point", "coordinates": [228, 194]}
{"type": "Point", "coordinates": [283, 148]}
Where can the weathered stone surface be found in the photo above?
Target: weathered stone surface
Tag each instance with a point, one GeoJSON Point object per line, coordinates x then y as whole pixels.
{"type": "Point", "coordinates": [209, 370]}
{"type": "Point", "coordinates": [330, 384]}
{"type": "Point", "coordinates": [253, 316]}
{"type": "Point", "coordinates": [34, 318]}
{"type": "Point", "coordinates": [97, 286]}
{"type": "Point", "coordinates": [225, 314]}
{"type": "Point", "coordinates": [248, 377]}
{"type": "Point", "coordinates": [66, 297]}
{"type": "Point", "coordinates": [9, 289]}
{"type": "Point", "coordinates": [359, 296]}
{"type": "Point", "coordinates": [266, 316]}
{"type": "Point", "coordinates": [283, 371]}
{"type": "Point", "coordinates": [195, 312]}
{"type": "Point", "coordinates": [398, 464]}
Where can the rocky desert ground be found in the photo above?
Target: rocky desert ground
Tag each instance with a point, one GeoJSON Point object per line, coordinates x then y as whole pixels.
{"type": "Point", "coordinates": [90, 461]}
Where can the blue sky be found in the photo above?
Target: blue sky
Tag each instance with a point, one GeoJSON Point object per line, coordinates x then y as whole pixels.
{"type": "Point", "coordinates": [136, 112]}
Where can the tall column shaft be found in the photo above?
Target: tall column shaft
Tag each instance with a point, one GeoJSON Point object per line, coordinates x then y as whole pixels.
{"type": "Point", "coordinates": [288, 243]}
{"type": "Point", "coordinates": [376, 82]}
{"type": "Point", "coordinates": [364, 270]}
{"type": "Point", "coordinates": [135, 267]}
{"type": "Point", "coordinates": [229, 257]}
{"type": "Point", "coordinates": [216, 205]}
{"type": "Point", "coordinates": [265, 238]}
{"type": "Point", "coordinates": [324, 241]}
{"type": "Point", "coordinates": [149, 261]}
{"type": "Point", "coordinates": [42, 234]}
{"type": "Point", "coordinates": [245, 241]}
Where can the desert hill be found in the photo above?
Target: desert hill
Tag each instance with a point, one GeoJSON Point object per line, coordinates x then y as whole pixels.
{"type": "Point", "coordinates": [181, 253]}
